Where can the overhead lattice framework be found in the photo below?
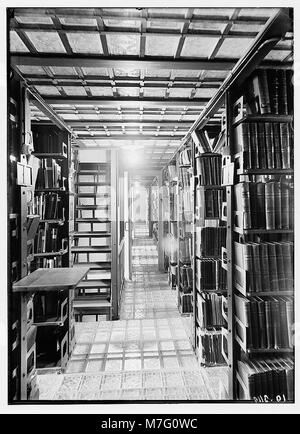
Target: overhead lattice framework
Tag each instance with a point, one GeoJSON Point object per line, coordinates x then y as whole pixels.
{"type": "Point", "coordinates": [133, 77]}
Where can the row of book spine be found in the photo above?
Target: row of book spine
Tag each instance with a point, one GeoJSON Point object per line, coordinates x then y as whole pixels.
{"type": "Point", "coordinates": [210, 276]}
{"type": "Point", "coordinates": [265, 145]}
{"type": "Point", "coordinates": [210, 311]}
{"type": "Point", "coordinates": [185, 249]}
{"type": "Point", "coordinates": [49, 206]}
{"type": "Point", "coordinates": [209, 169]}
{"type": "Point", "coordinates": [210, 347]}
{"type": "Point", "coordinates": [186, 278]}
{"type": "Point", "coordinates": [209, 241]}
{"type": "Point", "coordinates": [49, 142]}
{"type": "Point", "coordinates": [268, 380]}
{"type": "Point", "coordinates": [49, 174]}
{"type": "Point", "coordinates": [270, 321]}
{"type": "Point", "coordinates": [269, 91]}
{"type": "Point", "coordinates": [186, 303]}
{"type": "Point", "coordinates": [269, 265]}
{"type": "Point", "coordinates": [266, 205]}
{"type": "Point", "coordinates": [47, 239]}
{"type": "Point", "coordinates": [213, 203]}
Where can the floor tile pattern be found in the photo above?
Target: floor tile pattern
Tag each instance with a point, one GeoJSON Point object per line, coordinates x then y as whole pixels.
{"type": "Point", "coordinates": [146, 355]}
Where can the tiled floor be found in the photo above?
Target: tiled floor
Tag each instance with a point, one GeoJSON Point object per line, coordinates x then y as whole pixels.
{"type": "Point", "coordinates": [146, 355]}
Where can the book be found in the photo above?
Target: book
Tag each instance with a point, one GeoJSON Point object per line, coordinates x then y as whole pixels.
{"type": "Point", "coordinates": [264, 266]}
{"type": "Point", "coordinates": [277, 147]}
{"type": "Point", "coordinates": [270, 148]}
{"type": "Point", "coordinates": [270, 204]}
{"type": "Point", "coordinates": [261, 145]}
{"type": "Point", "coordinates": [278, 205]}
{"type": "Point", "coordinates": [242, 201]}
{"type": "Point", "coordinates": [285, 145]}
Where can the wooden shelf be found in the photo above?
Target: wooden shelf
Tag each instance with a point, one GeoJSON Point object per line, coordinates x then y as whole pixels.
{"type": "Point", "coordinates": [262, 231]}
{"type": "Point", "coordinates": [53, 221]}
{"type": "Point", "coordinates": [50, 155]}
{"type": "Point", "coordinates": [51, 190]}
{"type": "Point", "coordinates": [54, 321]}
{"type": "Point", "coordinates": [49, 254]}
{"type": "Point", "coordinates": [265, 172]}
{"type": "Point", "coordinates": [51, 279]}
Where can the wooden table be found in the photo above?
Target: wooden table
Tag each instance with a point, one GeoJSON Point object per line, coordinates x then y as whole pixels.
{"type": "Point", "coordinates": [51, 279]}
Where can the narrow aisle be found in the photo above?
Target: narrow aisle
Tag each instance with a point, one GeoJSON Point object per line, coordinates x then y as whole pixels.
{"type": "Point", "coordinates": [146, 355]}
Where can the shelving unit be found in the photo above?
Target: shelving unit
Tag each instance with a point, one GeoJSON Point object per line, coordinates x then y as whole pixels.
{"type": "Point", "coordinates": [185, 218]}
{"type": "Point", "coordinates": [98, 237]}
{"type": "Point", "coordinates": [209, 289]}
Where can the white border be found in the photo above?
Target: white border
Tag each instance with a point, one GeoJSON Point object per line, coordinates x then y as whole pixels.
{"type": "Point", "coordinates": [133, 408]}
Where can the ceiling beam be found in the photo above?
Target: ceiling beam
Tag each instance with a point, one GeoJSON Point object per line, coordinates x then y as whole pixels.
{"type": "Point", "coordinates": [126, 62]}
{"type": "Point", "coordinates": [146, 123]}
{"type": "Point", "coordinates": [105, 83]}
{"type": "Point", "coordinates": [128, 102]}
{"type": "Point", "coordinates": [122, 137]}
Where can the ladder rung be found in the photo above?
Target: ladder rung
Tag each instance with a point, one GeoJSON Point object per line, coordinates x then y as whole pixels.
{"type": "Point", "coordinates": [92, 194]}
{"type": "Point", "coordinates": [91, 234]}
{"type": "Point", "coordinates": [95, 265]}
{"type": "Point", "coordinates": [86, 184]}
{"type": "Point", "coordinates": [92, 249]}
{"type": "Point", "coordinates": [103, 207]}
{"type": "Point", "coordinates": [92, 220]}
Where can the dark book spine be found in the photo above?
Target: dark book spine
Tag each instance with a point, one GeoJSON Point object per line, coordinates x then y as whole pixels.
{"type": "Point", "coordinates": [256, 267]}
{"type": "Point", "coordinates": [283, 95]}
{"type": "Point", "coordinates": [269, 333]}
{"type": "Point", "coordinates": [249, 266]}
{"type": "Point", "coordinates": [277, 150]}
{"type": "Point", "coordinates": [269, 145]}
{"type": "Point", "coordinates": [283, 324]}
{"type": "Point", "coordinates": [260, 205]}
{"type": "Point", "coordinates": [288, 268]}
{"type": "Point", "coordinates": [273, 267]}
{"type": "Point", "coordinates": [265, 106]}
{"type": "Point", "coordinates": [254, 324]}
{"type": "Point", "coordinates": [262, 145]}
{"type": "Point", "coordinates": [262, 324]}
{"type": "Point", "coordinates": [285, 203]}
{"type": "Point", "coordinates": [275, 314]}
{"type": "Point", "coordinates": [246, 204]}
{"type": "Point", "coordinates": [280, 267]}
{"type": "Point", "coordinates": [253, 205]}
{"type": "Point", "coordinates": [270, 205]}
{"type": "Point", "coordinates": [278, 205]}
{"type": "Point", "coordinates": [285, 145]}
{"type": "Point", "coordinates": [265, 271]}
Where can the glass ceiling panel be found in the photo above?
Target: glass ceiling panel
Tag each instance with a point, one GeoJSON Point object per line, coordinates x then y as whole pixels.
{"type": "Point", "coordinates": [161, 45]}
{"type": "Point", "coordinates": [32, 70]}
{"type": "Point", "coordinates": [198, 46]}
{"type": "Point", "coordinates": [78, 21]}
{"type": "Point", "coordinates": [16, 43]}
{"type": "Point", "coordinates": [46, 42]}
{"type": "Point", "coordinates": [234, 48]}
{"type": "Point", "coordinates": [47, 90]}
{"type": "Point", "coordinates": [85, 42]}
{"type": "Point", "coordinates": [123, 44]}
